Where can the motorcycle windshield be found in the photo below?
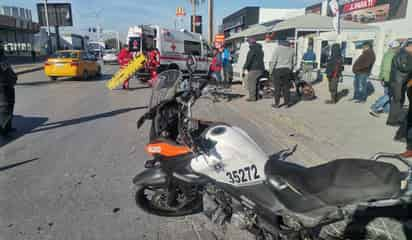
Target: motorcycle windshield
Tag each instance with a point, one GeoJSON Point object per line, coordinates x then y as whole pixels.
{"type": "Point", "coordinates": [166, 86]}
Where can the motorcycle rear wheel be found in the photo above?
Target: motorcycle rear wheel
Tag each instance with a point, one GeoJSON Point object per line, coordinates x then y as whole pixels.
{"type": "Point", "coordinates": [156, 203]}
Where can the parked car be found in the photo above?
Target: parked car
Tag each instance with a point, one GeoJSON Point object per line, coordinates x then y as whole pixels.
{"type": "Point", "coordinates": [348, 17]}
{"type": "Point", "coordinates": [72, 63]}
{"type": "Point", "coordinates": [110, 56]}
{"type": "Point", "coordinates": [368, 17]}
{"type": "Point", "coordinates": [381, 15]}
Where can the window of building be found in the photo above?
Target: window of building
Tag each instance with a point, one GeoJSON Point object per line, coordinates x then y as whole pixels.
{"type": "Point", "coordinates": [15, 12]}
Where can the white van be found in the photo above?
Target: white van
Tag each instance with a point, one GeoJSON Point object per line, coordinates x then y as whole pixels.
{"type": "Point", "coordinates": [174, 46]}
{"type": "Point", "coordinates": [240, 59]}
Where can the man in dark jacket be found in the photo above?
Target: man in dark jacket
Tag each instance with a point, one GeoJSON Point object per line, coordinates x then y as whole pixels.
{"type": "Point", "coordinates": [255, 67]}
{"type": "Point", "coordinates": [7, 95]}
{"type": "Point", "coordinates": [401, 64]}
{"type": "Point", "coordinates": [334, 72]}
{"type": "Point", "coordinates": [362, 68]}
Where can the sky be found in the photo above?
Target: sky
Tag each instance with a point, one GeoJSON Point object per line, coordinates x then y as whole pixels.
{"type": "Point", "coordinates": [118, 15]}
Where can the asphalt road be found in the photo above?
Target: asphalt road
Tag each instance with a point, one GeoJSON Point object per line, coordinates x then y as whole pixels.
{"type": "Point", "coordinates": [67, 171]}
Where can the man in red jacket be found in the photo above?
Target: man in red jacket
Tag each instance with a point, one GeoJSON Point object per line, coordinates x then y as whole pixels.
{"type": "Point", "coordinates": [124, 58]}
{"type": "Point", "coordinates": [153, 65]}
{"type": "Point", "coordinates": [216, 67]}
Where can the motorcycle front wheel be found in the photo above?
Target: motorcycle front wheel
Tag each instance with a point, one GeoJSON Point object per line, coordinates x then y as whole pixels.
{"type": "Point", "coordinates": [156, 200]}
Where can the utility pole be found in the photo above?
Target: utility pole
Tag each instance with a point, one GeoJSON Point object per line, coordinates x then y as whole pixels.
{"type": "Point", "coordinates": [194, 17]}
{"type": "Point", "coordinates": [210, 18]}
{"type": "Point", "coordinates": [118, 40]}
{"type": "Point", "coordinates": [49, 48]}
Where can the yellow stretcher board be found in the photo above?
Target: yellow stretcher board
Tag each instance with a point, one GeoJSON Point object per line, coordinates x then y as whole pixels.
{"type": "Point", "coordinates": [122, 75]}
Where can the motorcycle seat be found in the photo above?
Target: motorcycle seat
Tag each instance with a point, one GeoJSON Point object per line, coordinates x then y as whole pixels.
{"type": "Point", "coordinates": [337, 183]}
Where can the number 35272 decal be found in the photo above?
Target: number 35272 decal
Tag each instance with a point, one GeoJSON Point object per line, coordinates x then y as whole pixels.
{"type": "Point", "coordinates": [243, 175]}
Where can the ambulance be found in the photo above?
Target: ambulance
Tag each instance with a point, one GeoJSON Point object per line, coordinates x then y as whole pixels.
{"type": "Point", "coordinates": [174, 46]}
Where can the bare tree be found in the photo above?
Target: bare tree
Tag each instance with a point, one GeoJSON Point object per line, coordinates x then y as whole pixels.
{"type": "Point", "coordinates": [195, 4]}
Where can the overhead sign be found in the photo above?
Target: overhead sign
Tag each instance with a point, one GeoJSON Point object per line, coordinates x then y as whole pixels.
{"type": "Point", "coordinates": [334, 7]}
{"type": "Point", "coordinates": [357, 5]}
{"type": "Point", "coordinates": [220, 37]}
{"type": "Point", "coordinates": [180, 12]}
{"type": "Point", "coordinates": [197, 21]}
{"type": "Point", "coordinates": [314, 9]}
{"type": "Point", "coordinates": [370, 11]}
{"type": "Point", "coordinates": [59, 14]}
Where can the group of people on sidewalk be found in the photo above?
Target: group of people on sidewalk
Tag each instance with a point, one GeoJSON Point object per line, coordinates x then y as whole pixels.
{"type": "Point", "coordinates": [220, 67]}
{"type": "Point", "coordinates": [395, 75]}
{"type": "Point", "coordinates": [396, 78]}
{"type": "Point", "coordinates": [281, 71]}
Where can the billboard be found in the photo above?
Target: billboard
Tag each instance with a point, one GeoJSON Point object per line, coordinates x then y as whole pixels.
{"type": "Point", "coordinates": [197, 20]}
{"type": "Point", "coordinates": [370, 11]}
{"type": "Point", "coordinates": [60, 14]}
{"type": "Point", "coordinates": [314, 9]}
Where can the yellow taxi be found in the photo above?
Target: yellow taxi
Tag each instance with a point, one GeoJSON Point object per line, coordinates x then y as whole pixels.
{"type": "Point", "coordinates": [72, 63]}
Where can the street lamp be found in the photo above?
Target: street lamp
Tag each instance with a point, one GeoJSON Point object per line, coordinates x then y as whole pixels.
{"type": "Point", "coordinates": [210, 18]}
{"type": "Point", "coordinates": [48, 26]}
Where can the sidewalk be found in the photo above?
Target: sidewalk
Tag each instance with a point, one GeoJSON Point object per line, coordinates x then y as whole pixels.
{"type": "Point", "coordinates": [25, 64]}
{"type": "Point", "coordinates": [323, 132]}
{"type": "Point", "coordinates": [27, 68]}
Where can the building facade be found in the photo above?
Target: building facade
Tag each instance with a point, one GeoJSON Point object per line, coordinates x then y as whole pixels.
{"type": "Point", "coordinates": [240, 20]}
{"type": "Point", "coordinates": [391, 18]}
{"type": "Point", "coordinates": [17, 30]}
{"type": "Point", "coordinates": [249, 16]}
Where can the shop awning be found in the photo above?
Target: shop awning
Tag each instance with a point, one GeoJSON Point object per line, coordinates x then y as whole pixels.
{"type": "Point", "coordinates": [253, 30]}
{"type": "Point", "coordinates": [314, 22]}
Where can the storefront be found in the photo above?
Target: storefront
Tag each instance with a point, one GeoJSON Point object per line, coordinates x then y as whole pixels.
{"type": "Point", "coordinates": [16, 32]}
{"type": "Point", "coordinates": [391, 20]}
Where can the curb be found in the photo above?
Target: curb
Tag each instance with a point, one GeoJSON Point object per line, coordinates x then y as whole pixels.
{"type": "Point", "coordinates": [29, 70]}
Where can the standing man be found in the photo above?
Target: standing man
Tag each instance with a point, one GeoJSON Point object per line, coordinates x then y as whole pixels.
{"type": "Point", "coordinates": [308, 64]}
{"type": "Point", "coordinates": [123, 58]}
{"type": "Point", "coordinates": [255, 66]}
{"type": "Point", "coordinates": [334, 72]}
{"type": "Point", "coordinates": [216, 67]}
{"type": "Point", "coordinates": [227, 67]}
{"type": "Point", "coordinates": [281, 71]}
{"type": "Point", "coordinates": [404, 64]}
{"type": "Point", "coordinates": [33, 55]}
{"type": "Point", "coordinates": [382, 104]}
{"type": "Point", "coordinates": [7, 94]}
{"type": "Point", "coordinates": [397, 85]}
{"type": "Point", "coordinates": [153, 64]}
{"type": "Point", "coordinates": [362, 69]}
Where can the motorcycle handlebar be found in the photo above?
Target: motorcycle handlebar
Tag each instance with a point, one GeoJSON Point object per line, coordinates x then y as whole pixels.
{"type": "Point", "coordinates": [408, 178]}
{"type": "Point", "coordinates": [380, 155]}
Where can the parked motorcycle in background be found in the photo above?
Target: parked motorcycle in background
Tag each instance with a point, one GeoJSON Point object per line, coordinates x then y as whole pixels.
{"type": "Point", "coordinates": [218, 170]}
